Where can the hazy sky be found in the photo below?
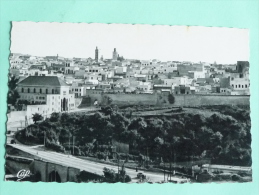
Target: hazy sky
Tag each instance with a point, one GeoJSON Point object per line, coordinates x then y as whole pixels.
{"type": "Point", "coordinates": [144, 42]}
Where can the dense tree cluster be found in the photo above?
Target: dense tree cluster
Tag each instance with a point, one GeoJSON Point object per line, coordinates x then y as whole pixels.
{"type": "Point", "coordinates": [111, 176]}
{"type": "Point", "coordinates": [224, 137]}
{"type": "Point", "coordinates": [13, 94]}
{"type": "Point", "coordinates": [171, 99]}
{"type": "Point", "coordinates": [37, 117]}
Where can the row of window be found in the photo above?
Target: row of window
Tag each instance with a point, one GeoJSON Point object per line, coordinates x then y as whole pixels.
{"type": "Point", "coordinates": [77, 95]}
{"type": "Point", "coordinates": [46, 111]}
{"type": "Point", "coordinates": [91, 78]}
{"type": "Point", "coordinates": [76, 90]}
{"type": "Point", "coordinates": [31, 97]}
{"type": "Point", "coordinates": [97, 92]}
{"type": "Point", "coordinates": [40, 91]}
{"type": "Point", "coordinates": [187, 92]}
{"type": "Point", "coordinates": [53, 97]}
{"type": "Point", "coordinates": [93, 71]}
{"type": "Point", "coordinates": [40, 98]}
{"type": "Point", "coordinates": [239, 86]}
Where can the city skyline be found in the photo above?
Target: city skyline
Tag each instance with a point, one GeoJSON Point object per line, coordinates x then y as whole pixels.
{"type": "Point", "coordinates": [82, 121]}
{"type": "Point", "coordinates": [143, 42]}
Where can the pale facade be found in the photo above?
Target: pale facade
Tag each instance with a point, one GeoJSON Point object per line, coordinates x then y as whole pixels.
{"type": "Point", "coordinates": [164, 70]}
{"type": "Point", "coordinates": [176, 81]}
{"type": "Point", "coordinates": [120, 70]}
{"type": "Point", "coordinates": [240, 83]}
{"type": "Point", "coordinates": [145, 63]}
{"type": "Point", "coordinates": [46, 95]}
{"type": "Point", "coordinates": [145, 86]}
{"type": "Point", "coordinates": [92, 78]}
{"type": "Point", "coordinates": [240, 86]}
{"type": "Point", "coordinates": [198, 74]}
{"type": "Point", "coordinates": [77, 89]}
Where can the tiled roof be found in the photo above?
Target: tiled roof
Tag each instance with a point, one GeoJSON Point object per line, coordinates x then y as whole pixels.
{"type": "Point", "coordinates": [42, 81]}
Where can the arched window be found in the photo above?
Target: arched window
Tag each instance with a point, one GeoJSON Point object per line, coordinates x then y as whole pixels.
{"type": "Point", "coordinates": [40, 90]}
{"type": "Point", "coordinates": [46, 91]}
{"type": "Point", "coordinates": [52, 91]}
{"type": "Point", "coordinates": [34, 90]}
{"type": "Point", "coordinates": [28, 90]}
{"type": "Point", "coordinates": [22, 90]}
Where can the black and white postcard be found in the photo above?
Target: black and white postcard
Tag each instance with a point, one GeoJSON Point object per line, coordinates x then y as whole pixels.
{"type": "Point", "coordinates": [110, 103]}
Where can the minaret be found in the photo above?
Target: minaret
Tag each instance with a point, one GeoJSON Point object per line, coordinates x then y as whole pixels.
{"type": "Point", "coordinates": [114, 54]}
{"type": "Point", "coordinates": [96, 54]}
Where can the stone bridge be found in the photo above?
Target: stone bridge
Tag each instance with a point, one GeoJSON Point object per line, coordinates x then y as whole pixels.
{"type": "Point", "coordinates": [42, 170]}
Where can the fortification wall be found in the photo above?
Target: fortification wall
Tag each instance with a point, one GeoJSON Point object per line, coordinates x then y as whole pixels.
{"type": "Point", "coordinates": [180, 100]}
{"type": "Point", "coordinates": [133, 99]}
{"type": "Point", "coordinates": [197, 100]}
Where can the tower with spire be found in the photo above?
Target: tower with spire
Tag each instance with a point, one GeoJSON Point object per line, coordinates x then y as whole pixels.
{"type": "Point", "coordinates": [96, 54]}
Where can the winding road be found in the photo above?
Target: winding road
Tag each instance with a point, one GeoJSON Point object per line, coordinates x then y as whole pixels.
{"type": "Point", "coordinates": [87, 165]}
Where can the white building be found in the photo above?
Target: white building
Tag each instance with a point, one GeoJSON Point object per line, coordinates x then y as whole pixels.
{"type": "Point", "coordinates": [240, 86]}
{"type": "Point", "coordinates": [120, 70]}
{"type": "Point", "coordinates": [176, 81]}
{"type": "Point", "coordinates": [92, 78]}
{"type": "Point", "coordinates": [145, 63]}
{"type": "Point", "coordinates": [145, 86]}
{"type": "Point", "coordinates": [45, 95]}
{"type": "Point", "coordinates": [197, 74]}
{"type": "Point", "coordinates": [77, 89]}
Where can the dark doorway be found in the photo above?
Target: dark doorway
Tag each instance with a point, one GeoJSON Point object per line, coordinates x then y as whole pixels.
{"type": "Point", "coordinates": [37, 177]}
{"type": "Point", "coordinates": [64, 104]}
{"type": "Point", "coordinates": [182, 90]}
{"type": "Point", "coordinates": [54, 177]}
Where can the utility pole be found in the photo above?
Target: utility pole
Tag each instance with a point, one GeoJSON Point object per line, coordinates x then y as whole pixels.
{"type": "Point", "coordinates": [147, 157]}
{"type": "Point", "coordinates": [69, 143]}
{"type": "Point", "coordinates": [164, 158]}
{"type": "Point", "coordinates": [171, 164]}
{"type": "Point", "coordinates": [26, 122]}
{"type": "Point", "coordinates": [73, 145]}
{"type": "Point", "coordinates": [164, 170]}
{"type": "Point", "coordinates": [174, 160]}
{"type": "Point", "coordinates": [118, 166]}
{"type": "Point", "coordinates": [118, 163]}
{"type": "Point", "coordinates": [123, 172]}
{"type": "Point", "coordinates": [44, 138]}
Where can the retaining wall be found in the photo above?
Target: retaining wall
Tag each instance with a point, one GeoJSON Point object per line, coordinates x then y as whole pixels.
{"type": "Point", "coordinates": [180, 100]}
